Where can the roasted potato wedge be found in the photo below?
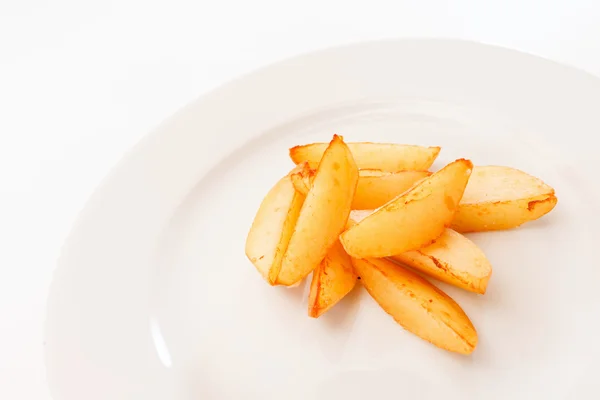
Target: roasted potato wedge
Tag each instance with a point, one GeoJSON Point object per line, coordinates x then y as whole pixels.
{"type": "Point", "coordinates": [412, 220]}
{"type": "Point", "coordinates": [324, 213]}
{"type": "Point", "coordinates": [417, 305]}
{"type": "Point", "coordinates": [273, 225]}
{"type": "Point", "coordinates": [451, 258]}
{"type": "Point", "coordinates": [502, 198]}
{"type": "Point", "coordinates": [333, 279]}
{"type": "Point", "coordinates": [375, 187]}
{"type": "Point", "coordinates": [383, 156]}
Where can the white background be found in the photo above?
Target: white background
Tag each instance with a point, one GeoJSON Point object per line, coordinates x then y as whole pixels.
{"type": "Point", "coordinates": [82, 81]}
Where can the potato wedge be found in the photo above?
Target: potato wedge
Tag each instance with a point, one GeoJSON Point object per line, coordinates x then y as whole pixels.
{"type": "Point", "coordinates": [453, 259]}
{"type": "Point", "coordinates": [502, 198]}
{"type": "Point", "coordinates": [412, 220]}
{"type": "Point", "coordinates": [384, 156]}
{"type": "Point", "coordinates": [273, 226]}
{"type": "Point", "coordinates": [323, 215]}
{"type": "Point", "coordinates": [333, 279]}
{"type": "Point", "coordinates": [375, 187]}
{"type": "Point", "coordinates": [417, 305]}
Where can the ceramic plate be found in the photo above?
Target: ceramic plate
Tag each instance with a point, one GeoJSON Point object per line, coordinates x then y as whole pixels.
{"type": "Point", "coordinates": [153, 297]}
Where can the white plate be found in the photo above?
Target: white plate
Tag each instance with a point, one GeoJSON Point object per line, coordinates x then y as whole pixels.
{"type": "Point", "coordinates": [154, 298]}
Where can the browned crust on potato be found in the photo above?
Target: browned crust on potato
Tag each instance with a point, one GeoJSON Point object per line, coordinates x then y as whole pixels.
{"type": "Point", "coordinates": [533, 204]}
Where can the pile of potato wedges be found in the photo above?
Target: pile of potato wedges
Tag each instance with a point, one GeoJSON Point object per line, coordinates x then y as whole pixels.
{"type": "Point", "coordinates": [373, 213]}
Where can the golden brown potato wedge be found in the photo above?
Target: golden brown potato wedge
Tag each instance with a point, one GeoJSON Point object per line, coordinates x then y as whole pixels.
{"type": "Point", "coordinates": [333, 279]}
{"type": "Point", "coordinates": [323, 215]}
{"type": "Point", "coordinates": [502, 198]}
{"type": "Point", "coordinates": [384, 156]}
{"type": "Point", "coordinates": [375, 187]}
{"type": "Point", "coordinates": [273, 226]}
{"type": "Point", "coordinates": [417, 305]}
{"type": "Point", "coordinates": [412, 220]}
{"type": "Point", "coordinates": [453, 259]}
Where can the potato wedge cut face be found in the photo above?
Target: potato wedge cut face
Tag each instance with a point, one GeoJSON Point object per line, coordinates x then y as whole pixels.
{"type": "Point", "coordinates": [489, 184]}
{"type": "Point", "coordinates": [417, 305]}
{"type": "Point", "coordinates": [376, 187]}
{"type": "Point", "coordinates": [453, 259]}
{"type": "Point", "coordinates": [332, 280]}
{"type": "Point", "coordinates": [502, 198]}
{"type": "Point", "coordinates": [412, 220]}
{"type": "Point", "coordinates": [323, 215]}
{"type": "Point", "coordinates": [383, 156]}
{"type": "Point", "coordinates": [272, 228]}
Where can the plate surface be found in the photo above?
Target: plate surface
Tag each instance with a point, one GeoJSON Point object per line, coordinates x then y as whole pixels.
{"type": "Point", "coordinates": [153, 297]}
